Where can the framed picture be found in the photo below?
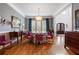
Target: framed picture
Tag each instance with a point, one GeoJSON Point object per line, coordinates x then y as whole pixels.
{"type": "Point", "coordinates": [15, 22]}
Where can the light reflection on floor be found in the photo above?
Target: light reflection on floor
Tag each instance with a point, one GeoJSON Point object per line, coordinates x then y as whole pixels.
{"type": "Point", "coordinates": [59, 46]}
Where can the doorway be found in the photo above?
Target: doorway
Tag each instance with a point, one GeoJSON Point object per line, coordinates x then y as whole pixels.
{"type": "Point", "coordinates": [60, 28]}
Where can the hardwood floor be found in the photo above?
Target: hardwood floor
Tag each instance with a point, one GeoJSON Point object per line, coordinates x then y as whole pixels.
{"type": "Point", "coordinates": [24, 48]}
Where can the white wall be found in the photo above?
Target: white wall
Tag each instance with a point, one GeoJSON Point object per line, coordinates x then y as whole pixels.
{"type": "Point", "coordinates": [64, 16]}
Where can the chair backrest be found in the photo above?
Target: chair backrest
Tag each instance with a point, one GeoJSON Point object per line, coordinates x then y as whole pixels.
{"type": "Point", "coordinates": [39, 37]}
{"type": "Point", "coordinates": [29, 35]}
{"type": "Point", "coordinates": [2, 37]}
{"type": "Point", "coordinates": [49, 33]}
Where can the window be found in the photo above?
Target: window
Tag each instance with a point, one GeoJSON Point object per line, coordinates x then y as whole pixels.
{"type": "Point", "coordinates": [39, 26]}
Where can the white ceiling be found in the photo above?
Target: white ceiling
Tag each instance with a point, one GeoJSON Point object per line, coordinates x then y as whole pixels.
{"type": "Point", "coordinates": [31, 9]}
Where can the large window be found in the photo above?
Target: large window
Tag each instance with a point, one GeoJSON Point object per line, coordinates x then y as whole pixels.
{"type": "Point", "coordinates": [39, 26]}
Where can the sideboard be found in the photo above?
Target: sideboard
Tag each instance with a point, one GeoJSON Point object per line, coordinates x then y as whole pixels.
{"type": "Point", "coordinates": [72, 41]}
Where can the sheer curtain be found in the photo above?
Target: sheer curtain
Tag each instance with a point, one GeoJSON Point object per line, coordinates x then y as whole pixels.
{"type": "Point", "coordinates": [39, 26]}
{"type": "Point", "coordinates": [43, 26]}
{"type": "Point", "coordinates": [34, 26]}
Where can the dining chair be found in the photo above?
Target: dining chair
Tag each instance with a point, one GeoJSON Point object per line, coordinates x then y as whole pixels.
{"type": "Point", "coordinates": [39, 38]}
{"type": "Point", "coordinates": [30, 36]}
{"type": "Point", "coordinates": [49, 37]}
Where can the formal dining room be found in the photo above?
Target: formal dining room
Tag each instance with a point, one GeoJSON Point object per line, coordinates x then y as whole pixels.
{"type": "Point", "coordinates": [39, 29]}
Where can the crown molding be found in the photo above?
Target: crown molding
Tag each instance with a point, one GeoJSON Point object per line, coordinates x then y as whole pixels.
{"type": "Point", "coordinates": [15, 8]}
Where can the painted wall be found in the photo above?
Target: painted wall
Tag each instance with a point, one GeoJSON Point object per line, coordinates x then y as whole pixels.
{"type": "Point", "coordinates": [6, 11]}
{"type": "Point", "coordinates": [64, 16]}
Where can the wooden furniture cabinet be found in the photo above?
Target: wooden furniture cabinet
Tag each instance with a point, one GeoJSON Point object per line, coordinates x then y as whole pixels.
{"type": "Point", "coordinates": [14, 35]}
{"type": "Point", "coordinates": [72, 41]}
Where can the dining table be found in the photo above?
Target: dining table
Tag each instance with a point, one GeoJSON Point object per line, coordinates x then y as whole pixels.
{"type": "Point", "coordinates": [44, 37]}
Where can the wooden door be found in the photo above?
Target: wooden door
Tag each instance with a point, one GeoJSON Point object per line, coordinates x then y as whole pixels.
{"type": "Point", "coordinates": [60, 28]}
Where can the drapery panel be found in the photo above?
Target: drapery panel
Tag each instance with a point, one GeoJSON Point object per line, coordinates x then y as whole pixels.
{"type": "Point", "coordinates": [30, 24]}
{"type": "Point", "coordinates": [47, 24]}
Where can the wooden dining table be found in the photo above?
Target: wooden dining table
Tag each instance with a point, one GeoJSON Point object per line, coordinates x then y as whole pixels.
{"type": "Point", "coordinates": [44, 37]}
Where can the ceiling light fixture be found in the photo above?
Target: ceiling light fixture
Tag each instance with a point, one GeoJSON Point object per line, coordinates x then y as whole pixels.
{"type": "Point", "coordinates": [38, 17]}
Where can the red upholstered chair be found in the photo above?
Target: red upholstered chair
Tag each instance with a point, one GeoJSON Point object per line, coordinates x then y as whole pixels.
{"type": "Point", "coordinates": [4, 41]}
{"type": "Point", "coordinates": [49, 35]}
{"type": "Point", "coordinates": [29, 36]}
{"type": "Point", "coordinates": [39, 38]}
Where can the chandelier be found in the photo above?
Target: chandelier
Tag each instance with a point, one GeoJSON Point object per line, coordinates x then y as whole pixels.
{"type": "Point", "coordinates": [38, 17]}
